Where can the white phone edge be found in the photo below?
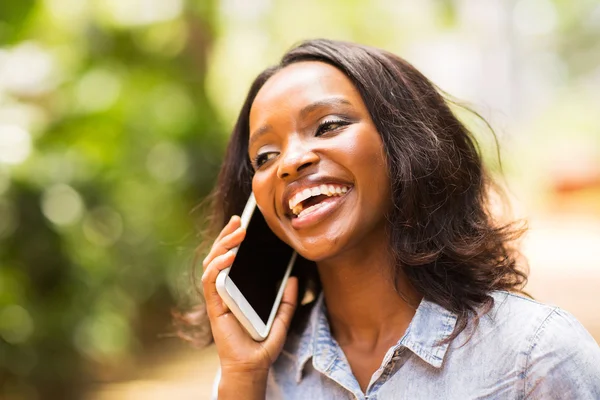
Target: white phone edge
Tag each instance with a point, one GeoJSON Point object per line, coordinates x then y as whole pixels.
{"type": "Point", "coordinates": [246, 215]}
{"type": "Point", "coordinates": [235, 300]}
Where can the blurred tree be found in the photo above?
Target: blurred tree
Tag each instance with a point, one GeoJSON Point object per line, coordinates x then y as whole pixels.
{"type": "Point", "coordinates": [107, 142]}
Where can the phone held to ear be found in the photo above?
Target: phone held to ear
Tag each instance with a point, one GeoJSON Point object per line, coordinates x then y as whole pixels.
{"type": "Point", "coordinates": [253, 286]}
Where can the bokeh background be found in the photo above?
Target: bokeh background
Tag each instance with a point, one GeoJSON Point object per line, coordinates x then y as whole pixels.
{"type": "Point", "coordinates": [114, 115]}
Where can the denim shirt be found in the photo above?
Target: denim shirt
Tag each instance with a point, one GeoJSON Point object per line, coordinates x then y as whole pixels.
{"type": "Point", "coordinates": [520, 349]}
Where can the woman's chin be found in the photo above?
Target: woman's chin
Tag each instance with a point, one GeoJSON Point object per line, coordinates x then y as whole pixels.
{"type": "Point", "coordinates": [318, 253]}
{"type": "Point", "coordinates": [323, 244]}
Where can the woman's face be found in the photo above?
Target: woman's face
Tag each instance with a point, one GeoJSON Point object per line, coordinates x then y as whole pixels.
{"type": "Point", "coordinates": [321, 178]}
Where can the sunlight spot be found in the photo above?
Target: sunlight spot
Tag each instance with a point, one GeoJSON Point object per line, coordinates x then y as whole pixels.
{"type": "Point", "coordinates": [62, 205]}
{"type": "Point", "coordinates": [103, 336]}
{"type": "Point", "coordinates": [127, 13]}
{"type": "Point", "coordinates": [535, 17]}
{"type": "Point", "coordinates": [71, 14]}
{"type": "Point", "coordinates": [97, 91]}
{"type": "Point", "coordinates": [30, 117]}
{"type": "Point", "coordinates": [16, 325]}
{"type": "Point", "coordinates": [27, 70]}
{"type": "Point", "coordinates": [245, 10]}
{"type": "Point", "coordinates": [15, 144]}
{"type": "Point", "coordinates": [167, 162]}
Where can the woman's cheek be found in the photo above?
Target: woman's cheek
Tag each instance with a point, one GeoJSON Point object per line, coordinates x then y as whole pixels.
{"type": "Point", "coordinates": [265, 196]}
{"type": "Point", "coordinates": [262, 192]}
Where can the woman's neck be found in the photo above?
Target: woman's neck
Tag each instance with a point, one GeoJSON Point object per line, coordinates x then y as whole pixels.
{"type": "Point", "coordinates": [363, 301]}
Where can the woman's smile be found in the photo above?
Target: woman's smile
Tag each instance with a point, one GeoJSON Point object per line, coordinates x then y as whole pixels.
{"type": "Point", "coordinates": [299, 202]}
{"type": "Point", "coordinates": [314, 199]}
{"type": "Point", "coordinates": [320, 176]}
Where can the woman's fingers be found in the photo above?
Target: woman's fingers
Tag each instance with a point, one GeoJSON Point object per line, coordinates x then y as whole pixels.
{"type": "Point", "coordinates": [234, 222]}
{"type": "Point", "coordinates": [219, 258]}
{"type": "Point", "coordinates": [224, 324]}
{"type": "Point", "coordinates": [283, 319]}
{"type": "Point", "coordinates": [225, 244]}
{"type": "Point", "coordinates": [214, 305]}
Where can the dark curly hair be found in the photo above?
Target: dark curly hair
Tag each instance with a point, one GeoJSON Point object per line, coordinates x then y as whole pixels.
{"type": "Point", "coordinates": [445, 240]}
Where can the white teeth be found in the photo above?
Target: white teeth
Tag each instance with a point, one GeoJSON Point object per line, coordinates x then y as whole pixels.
{"type": "Point", "coordinates": [300, 197]}
{"type": "Point", "coordinates": [296, 199]}
{"type": "Point", "coordinates": [328, 190]}
{"type": "Point", "coordinates": [309, 209]}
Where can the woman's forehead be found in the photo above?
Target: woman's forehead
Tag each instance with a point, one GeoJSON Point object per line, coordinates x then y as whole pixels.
{"type": "Point", "coordinates": [298, 85]}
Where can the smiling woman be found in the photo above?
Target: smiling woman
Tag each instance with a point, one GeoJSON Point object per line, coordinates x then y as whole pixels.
{"type": "Point", "coordinates": [320, 133]}
{"type": "Point", "coordinates": [357, 162]}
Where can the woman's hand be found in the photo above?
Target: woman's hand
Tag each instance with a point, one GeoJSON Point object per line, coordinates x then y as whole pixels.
{"type": "Point", "coordinates": [244, 362]}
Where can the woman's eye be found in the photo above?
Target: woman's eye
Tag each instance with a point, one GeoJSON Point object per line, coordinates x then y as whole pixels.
{"type": "Point", "coordinates": [329, 126]}
{"type": "Point", "coordinates": [262, 158]}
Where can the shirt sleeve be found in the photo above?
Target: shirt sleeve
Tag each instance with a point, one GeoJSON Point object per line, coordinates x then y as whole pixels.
{"type": "Point", "coordinates": [563, 361]}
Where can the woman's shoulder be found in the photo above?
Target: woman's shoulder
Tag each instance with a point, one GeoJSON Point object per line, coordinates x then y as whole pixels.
{"type": "Point", "coordinates": [514, 315]}
{"type": "Point", "coordinates": [516, 311]}
{"type": "Point", "coordinates": [555, 351]}
{"type": "Point", "coordinates": [511, 310]}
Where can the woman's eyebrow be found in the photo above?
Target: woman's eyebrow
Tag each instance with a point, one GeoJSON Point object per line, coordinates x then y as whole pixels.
{"type": "Point", "coordinates": [330, 102]}
{"type": "Point", "coordinates": [304, 112]}
{"type": "Point", "coordinates": [258, 133]}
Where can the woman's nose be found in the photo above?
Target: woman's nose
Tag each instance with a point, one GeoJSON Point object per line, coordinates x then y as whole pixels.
{"type": "Point", "coordinates": [294, 160]}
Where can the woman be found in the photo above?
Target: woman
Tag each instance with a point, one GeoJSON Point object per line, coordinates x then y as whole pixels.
{"type": "Point", "coordinates": [415, 281]}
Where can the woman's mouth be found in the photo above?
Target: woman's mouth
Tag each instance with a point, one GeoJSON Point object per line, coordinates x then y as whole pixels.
{"type": "Point", "coordinates": [311, 205]}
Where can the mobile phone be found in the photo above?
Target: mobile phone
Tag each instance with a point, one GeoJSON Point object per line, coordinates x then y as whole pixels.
{"type": "Point", "coordinates": [252, 287]}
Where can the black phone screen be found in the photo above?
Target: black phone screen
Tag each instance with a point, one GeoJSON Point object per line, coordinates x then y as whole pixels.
{"type": "Point", "coordinates": [260, 265]}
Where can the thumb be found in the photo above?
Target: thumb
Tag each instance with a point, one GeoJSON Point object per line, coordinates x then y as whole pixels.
{"type": "Point", "coordinates": [283, 319]}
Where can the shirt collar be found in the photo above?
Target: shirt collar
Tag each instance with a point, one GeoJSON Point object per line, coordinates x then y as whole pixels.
{"type": "Point", "coordinates": [426, 336]}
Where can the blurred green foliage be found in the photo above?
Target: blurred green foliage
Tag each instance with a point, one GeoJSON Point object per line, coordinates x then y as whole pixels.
{"type": "Point", "coordinates": [96, 229]}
